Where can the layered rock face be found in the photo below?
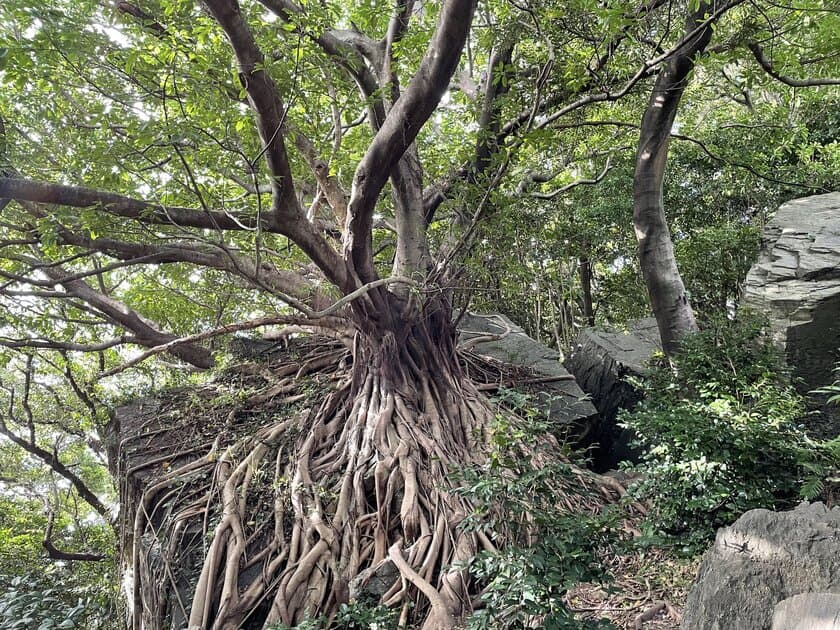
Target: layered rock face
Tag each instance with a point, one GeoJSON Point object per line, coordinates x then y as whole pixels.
{"type": "Point", "coordinates": [497, 337]}
{"type": "Point", "coordinates": [601, 362]}
{"type": "Point", "coordinates": [796, 283]}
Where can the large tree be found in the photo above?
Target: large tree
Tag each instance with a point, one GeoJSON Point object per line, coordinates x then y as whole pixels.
{"type": "Point", "coordinates": [185, 170]}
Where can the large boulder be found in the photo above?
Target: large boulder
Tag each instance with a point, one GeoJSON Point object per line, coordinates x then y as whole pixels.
{"type": "Point", "coordinates": [602, 362]}
{"type": "Point", "coordinates": [497, 337]}
{"type": "Point", "coordinates": [762, 559]}
{"type": "Point", "coordinates": [796, 283]}
{"type": "Point", "coordinates": [149, 437]}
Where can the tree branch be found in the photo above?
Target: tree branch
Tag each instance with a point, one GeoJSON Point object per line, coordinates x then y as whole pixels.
{"type": "Point", "coordinates": [574, 184]}
{"type": "Point", "coordinates": [52, 460]}
{"type": "Point", "coordinates": [345, 55]}
{"type": "Point", "coordinates": [319, 319]}
{"type": "Point", "coordinates": [56, 554]}
{"type": "Point", "coordinates": [767, 66]}
{"type": "Point", "coordinates": [146, 334]}
{"type": "Point", "coordinates": [286, 214]}
{"type": "Point", "coordinates": [47, 344]}
{"type": "Point", "coordinates": [400, 128]}
{"type": "Point", "coordinates": [266, 102]}
{"type": "Point", "coordinates": [121, 206]}
{"type": "Point", "coordinates": [292, 287]}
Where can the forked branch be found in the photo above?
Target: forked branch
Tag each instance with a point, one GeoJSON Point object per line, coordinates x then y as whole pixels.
{"type": "Point", "coordinates": [400, 129]}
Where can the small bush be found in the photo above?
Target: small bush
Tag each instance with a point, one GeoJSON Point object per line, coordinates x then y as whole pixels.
{"type": "Point", "coordinates": [524, 584]}
{"type": "Point", "coordinates": [719, 434]}
{"type": "Point", "coordinates": [41, 602]}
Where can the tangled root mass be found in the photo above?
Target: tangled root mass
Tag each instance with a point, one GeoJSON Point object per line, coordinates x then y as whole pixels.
{"type": "Point", "coordinates": [345, 487]}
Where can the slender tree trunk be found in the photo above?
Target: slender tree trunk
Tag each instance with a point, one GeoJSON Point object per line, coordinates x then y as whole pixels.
{"type": "Point", "coordinates": [585, 271]}
{"type": "Point", "coordinates": [668, 297]}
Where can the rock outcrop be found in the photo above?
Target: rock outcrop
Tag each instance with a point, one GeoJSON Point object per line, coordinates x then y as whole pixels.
{"type": "Point", "coordinates": [762, 559]}
{"type": "Point", "coordinates": [796, 283]}
{"type": "Point", "coordinates": [150, 437]}
{"type": "Point", "coordinates": [497, 337]}
{"type": "Point", "coordinates": [601, 362]}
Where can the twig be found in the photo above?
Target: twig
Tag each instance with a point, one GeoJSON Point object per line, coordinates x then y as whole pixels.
{"type": "Point", "coordinates": [650, 613]}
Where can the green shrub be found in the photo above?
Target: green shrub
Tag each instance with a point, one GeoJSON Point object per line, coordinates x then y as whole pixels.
{"type": "Point", "coordinates": [40, 601]}
{"type": "Point", "coordinates": [719, 434]}
{"type": "Point", "coordinates": [556, 548]}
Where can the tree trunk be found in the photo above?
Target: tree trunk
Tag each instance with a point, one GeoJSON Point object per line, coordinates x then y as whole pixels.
{"type": "Point", "coordinates": [585, 270]}
{"type": "Point", "coordinates": [668, 297]}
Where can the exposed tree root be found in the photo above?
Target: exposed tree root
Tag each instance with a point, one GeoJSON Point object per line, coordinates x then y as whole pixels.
{"type": "Point", "coordinates": [361, 486]}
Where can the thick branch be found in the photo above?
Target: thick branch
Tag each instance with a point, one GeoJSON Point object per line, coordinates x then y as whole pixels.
{"type": "Point", "coordinates": [489, 124]}
{"type": "Point", "coordinates": [767, 66]}
{"type": "Point", "coordinates": [286, 213]}
{"type": "Point", "coordinates": [290, 286]}
{"type": "Point", "coordinates": [146, 334]}
{"type": "Point", "coordinates": [57, 554]}
{"type": "Point", "coordinates": [47, 344]}
{"type": "Point", "coordinates": [400, 129]}
{"type": "Point", "coordinates": [396, 30]}
{"type": "Point", "coordinates": [266, 102]}
{"type": "Point", "coordinates": [121, 206]}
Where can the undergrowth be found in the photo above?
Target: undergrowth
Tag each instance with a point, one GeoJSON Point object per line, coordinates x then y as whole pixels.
{"type": "Point", "coordinates": [558, 539]}
{"type": "Point", "coordinates": [720, 434]}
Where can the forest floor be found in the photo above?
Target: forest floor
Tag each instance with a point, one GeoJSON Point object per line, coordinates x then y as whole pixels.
{"type": "Point", "coordinates": [648, 591]}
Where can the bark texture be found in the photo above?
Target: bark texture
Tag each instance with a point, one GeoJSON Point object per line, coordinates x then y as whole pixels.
{"type": "Point", "coordinates": [667, 293]}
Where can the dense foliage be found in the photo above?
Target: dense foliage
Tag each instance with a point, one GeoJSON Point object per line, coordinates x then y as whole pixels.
{"type": "Point", "coordinates": [722, 432]}
{"type": "Point", "coordinates": [559, 545]}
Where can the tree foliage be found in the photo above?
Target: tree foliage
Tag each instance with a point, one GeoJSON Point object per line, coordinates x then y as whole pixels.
{"type": "Point", "coordinates": [172, 172]}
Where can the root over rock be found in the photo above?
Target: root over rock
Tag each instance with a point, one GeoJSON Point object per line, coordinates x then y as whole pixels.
{"type": "Point", "coordinates": [334, 477]}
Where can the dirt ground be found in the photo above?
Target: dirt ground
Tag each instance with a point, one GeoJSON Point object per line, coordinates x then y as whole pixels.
{"type": "Point", "coordinates": [648, 591]}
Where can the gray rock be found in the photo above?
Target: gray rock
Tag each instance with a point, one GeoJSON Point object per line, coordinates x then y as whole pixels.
{"type": "Point", "coordinates": [497, 337]}
{"type": "Point", "coordinates": [372, 583]}
{"type": "Point", "coordinates": [808, 611]}
{"type": "Point", "coordinates": [763, 558]}
{"type": "Point", "coordinates": [796, 283]}
{"type": "Point", "coordinates": [602, 361]}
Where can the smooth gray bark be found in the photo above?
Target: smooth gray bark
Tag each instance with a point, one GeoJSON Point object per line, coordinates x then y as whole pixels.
{"type": "Point", "coordinates": [667, 293]}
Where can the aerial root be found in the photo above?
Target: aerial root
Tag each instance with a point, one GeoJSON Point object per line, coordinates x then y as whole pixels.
{"type": "Point", "coordinates": [356, 482]}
